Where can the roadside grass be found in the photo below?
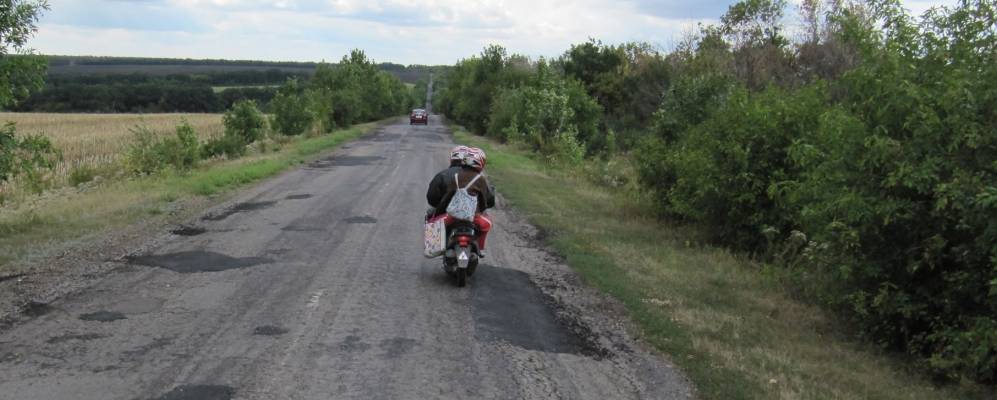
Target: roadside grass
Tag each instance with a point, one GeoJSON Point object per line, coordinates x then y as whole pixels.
{"type": "Point", "coordinates": [727, 324]}
{"type": "Point", "coordinates": [60, 219]}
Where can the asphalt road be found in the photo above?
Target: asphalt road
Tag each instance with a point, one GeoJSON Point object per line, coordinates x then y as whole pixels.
{"type": "Point", "coordinates": [312, 286]}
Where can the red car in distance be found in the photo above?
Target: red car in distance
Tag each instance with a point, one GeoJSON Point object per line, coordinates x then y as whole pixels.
{"type": "Point", "coordinates": [418, 116]}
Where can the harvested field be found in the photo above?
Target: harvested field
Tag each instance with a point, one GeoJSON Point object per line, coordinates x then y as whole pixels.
{"type": "Point", "coordinates": [98, 140]}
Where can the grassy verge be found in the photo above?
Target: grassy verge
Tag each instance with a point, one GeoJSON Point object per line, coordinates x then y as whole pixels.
{"type": "Point", "coordinates": [44, 225]}
{"type": "Point", "coordinates": [724, 322]}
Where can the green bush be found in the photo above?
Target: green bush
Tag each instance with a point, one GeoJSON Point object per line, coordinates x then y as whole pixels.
{"type": "Point", "coordinates": [888, 172]}
{"type": "Point", "coordinates": [721, 172]}
{"type": "Point", "coordinates": [899, 185]}
{"type": "Point", "coordinates": [226, 145]}
{"type": "Point", "coordinates": [539, 118]}
{"type": "Point", "coordinates": [290, 108]}
{"type": "Point", "coordinates": [321, 108]}
{"type": "Point", "coordinates": [244, 121]}
{"type": "Point", "coordinates": [149, 154]}
{"type": "Point", "coordinates": [27, 157]}
{"type": "Point", "coordinates": [143, 156]}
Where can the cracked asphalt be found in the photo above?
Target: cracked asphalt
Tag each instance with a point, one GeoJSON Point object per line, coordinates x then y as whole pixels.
{"type": "Point", "coordinates": [312, 285]}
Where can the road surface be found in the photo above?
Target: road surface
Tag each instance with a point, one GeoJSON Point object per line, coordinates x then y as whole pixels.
{"type": "Point", "coordinates": [312, 285]}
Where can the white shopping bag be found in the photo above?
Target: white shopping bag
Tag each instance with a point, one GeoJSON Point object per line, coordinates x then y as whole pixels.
{"type": "Point", "coordinates": [435, 238]}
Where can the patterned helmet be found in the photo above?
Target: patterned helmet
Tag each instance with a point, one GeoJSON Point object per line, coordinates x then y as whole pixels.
{"type": "Point", "coordinates": [475, 158]}
{"type": "Point", "coordinates": [458, 153]}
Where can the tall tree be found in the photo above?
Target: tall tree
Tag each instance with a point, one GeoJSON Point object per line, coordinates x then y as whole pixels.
{"type": "Point", "coordinates": [20, 71]}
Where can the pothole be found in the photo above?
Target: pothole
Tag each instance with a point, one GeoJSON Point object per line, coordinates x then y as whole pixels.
{"type": "Point", "coordinates": [140, 352]}
{"type": "Point", "coordinates": [508, 307]}
{"type": "Point", "coordinates": [353, 344]}
{"type": "Point", "coordinates": [11, 277]}
{"type": "Point", "coordinates": [36, 309]}
{"type": "Point", "coordinates": [361, 220]}
{"type": "Point", "coordinates": [397, 347]}
{"type": "Point", "coordinates": [186, 262]}
{"type": "Point", "coordinates": [353, 161]}
{"type": "Point", "coordinates": [301, 228]}
{"type": "Point", "coordinates": [199, 392]}
{"type": "Point", "coordinates": [298, 197]}
{"type": "Point", "coordinates": [269, 330]}
{"type": "Point", "coordinates": [188, 230]}
{"type": "Point", "coordinates": [239, 208]}
{"type": "Point", "coordinates": [69, 337]}
{"type": "Point", "coordinates": [103, 316]}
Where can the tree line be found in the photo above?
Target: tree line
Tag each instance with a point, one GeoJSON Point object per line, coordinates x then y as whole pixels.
{"type": "Point", "coordinates": [144, 92]}
{"type": "Point", "coordinates": [858, 157]}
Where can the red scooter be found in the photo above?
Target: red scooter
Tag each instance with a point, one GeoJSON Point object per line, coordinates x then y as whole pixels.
{"type": "Point", "coordinates": [460, 259]}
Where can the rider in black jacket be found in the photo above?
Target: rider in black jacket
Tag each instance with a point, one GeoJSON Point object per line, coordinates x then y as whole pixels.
{"type": "Point", "coordinates": [465, 163]}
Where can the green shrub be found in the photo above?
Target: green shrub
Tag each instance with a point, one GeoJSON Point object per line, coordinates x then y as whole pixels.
{"type": "Point", "coordinates": [899, 186]}
{"type": "Point", "coordinates": [184, 152]}
{"type": "Point", "coordinates": [890, 181]}
{"type": "Point", "coordinates": [143, 157]}
{"type": "Point", "coordinates": [291, 114]}
{"type": "Point", "coordinates": [244, 121]}
{"type": "Point", "coordinates": [149, 154]}
{"type": "Point", "coordinates": [720, 173]}
{"type": "Point", "coordinates": [226, 145]}
{"type": "Point", "coordinates": [27, 157]}
{"type": "Point", "coordinates": [539, 118]}
{"type": "Point", "coordinates": [321, 108]}
{"type": "Point", "coordinates": [82, 174]}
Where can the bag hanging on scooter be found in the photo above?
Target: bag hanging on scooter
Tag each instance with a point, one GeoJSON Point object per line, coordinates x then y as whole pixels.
{"type": "Point", "coordinates": [463, 205]}
{"type": "Point", "coordinates": [434, 238]}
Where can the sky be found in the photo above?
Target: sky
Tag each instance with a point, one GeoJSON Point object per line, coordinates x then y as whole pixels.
{"type": "Point", "coordinates": [407, 32]}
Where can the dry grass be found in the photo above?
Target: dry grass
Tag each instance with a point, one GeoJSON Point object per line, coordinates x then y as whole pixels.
{"type": "Point", "coordinates": [99, 140]}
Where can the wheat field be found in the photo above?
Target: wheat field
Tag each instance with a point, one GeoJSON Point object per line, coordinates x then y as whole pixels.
{"type": "Point", "coordinates": [98, 140]}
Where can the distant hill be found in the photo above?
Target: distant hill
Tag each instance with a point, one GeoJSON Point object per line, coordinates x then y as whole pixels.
{"type": "Point", "coordinates": [89, 65]}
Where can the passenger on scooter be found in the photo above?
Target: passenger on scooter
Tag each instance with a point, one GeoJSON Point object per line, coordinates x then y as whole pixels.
{"type": "Point", "coordinates": [466, 163]}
